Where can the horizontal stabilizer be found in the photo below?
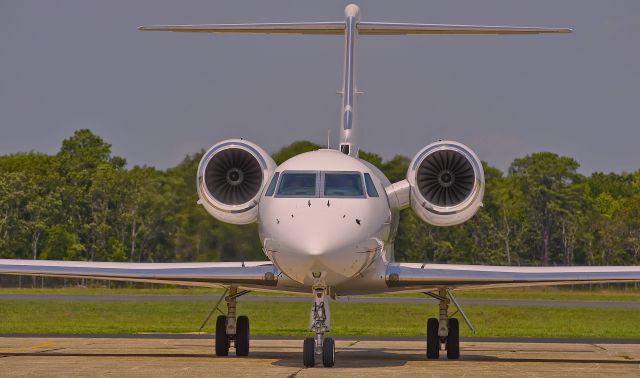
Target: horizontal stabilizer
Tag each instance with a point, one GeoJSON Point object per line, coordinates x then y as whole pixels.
{"type": "Point", "coordinates": [338, 28]}
{"type": "Point", "coordinates": [331, 28]}
{"type": "Point", "coordinates": [388, 28]}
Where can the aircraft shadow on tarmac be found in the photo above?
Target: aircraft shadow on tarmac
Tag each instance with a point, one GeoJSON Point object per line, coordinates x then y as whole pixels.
{"type": "Point", "coordinates": [388, 357]}
{"type": "Point", "coordinates": [353, 358]}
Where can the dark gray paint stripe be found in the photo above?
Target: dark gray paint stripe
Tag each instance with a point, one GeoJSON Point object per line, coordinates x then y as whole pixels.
{"type": "Point", "coordinates": [383, 300]}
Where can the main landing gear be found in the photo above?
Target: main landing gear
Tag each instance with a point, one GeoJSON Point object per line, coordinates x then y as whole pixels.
{"type": "Point", "coordinates": [231, 329]}
{"type": "Point", "coordinates": [445, 330]}
{"type": "Point", "coordinates": [320, 347]}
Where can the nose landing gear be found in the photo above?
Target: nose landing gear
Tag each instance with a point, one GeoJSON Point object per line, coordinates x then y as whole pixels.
{"type": "Point", "coordinates": [320, 319]}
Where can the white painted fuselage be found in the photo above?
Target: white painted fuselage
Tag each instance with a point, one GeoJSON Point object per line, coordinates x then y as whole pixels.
{"type": "Point", "coordinates": [326, 240]}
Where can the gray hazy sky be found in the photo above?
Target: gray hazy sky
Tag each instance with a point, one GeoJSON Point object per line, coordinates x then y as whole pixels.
{"type": "Point", "coordinates": [156, 97]}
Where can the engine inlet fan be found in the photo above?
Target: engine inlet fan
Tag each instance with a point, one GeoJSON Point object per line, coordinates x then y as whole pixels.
{"type": "Point", "coordinates": [445, 178]}
{"type": "Point", "coordinates": [233, 176]}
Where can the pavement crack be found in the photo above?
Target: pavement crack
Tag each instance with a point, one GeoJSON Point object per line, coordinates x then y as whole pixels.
{"type": "Point", "coordinates": [599, 347]}
{"type": "Point", "coordinates": [50, 350]}
{"type": "Point", "coordinates": [295, 374]}
{"type": "Point", "coordinates": [353, 343]}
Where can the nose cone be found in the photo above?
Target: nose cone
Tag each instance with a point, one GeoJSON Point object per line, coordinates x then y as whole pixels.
{"type": "Point", "coordinates": [322, 239]}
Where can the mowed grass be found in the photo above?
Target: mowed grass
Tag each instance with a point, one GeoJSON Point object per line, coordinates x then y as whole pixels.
{"type": "Point", "coordinates": [542, 293]}
{"type": "Point", "coordinates": [554, 293]}
{"type": "Point", "coordinates": [291, 319]}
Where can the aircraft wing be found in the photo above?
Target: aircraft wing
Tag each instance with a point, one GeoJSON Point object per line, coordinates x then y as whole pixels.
{"type": "Point", "coordinates": [416, 276]}
{"type": "Point", "coordinates": [260, 274]}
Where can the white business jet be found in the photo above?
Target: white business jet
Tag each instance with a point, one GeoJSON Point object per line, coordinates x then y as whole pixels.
{"type": "Point", "coordinates": [327, 219]}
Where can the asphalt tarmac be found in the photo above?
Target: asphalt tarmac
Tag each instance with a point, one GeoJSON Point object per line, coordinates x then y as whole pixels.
{"type": "Point", "coordinates": [192, 355]}
{"type": "Point", "coordinates": [307, 299]}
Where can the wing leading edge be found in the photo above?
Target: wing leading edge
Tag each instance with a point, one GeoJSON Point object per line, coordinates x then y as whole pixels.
{"type": "Point", "coordinates": [244, 274]}
{"type": "Point", "coordinates": [263, 274]}
{"type": "Point", "coordinates": [415, 276]}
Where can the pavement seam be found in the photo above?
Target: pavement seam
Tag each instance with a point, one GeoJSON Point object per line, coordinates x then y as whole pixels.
{"type": "Point", "coordinates": [191, 336]}
{"type": "Point", "coordinates": [34, 352]}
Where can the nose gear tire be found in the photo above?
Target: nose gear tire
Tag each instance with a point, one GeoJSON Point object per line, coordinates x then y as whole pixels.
{"type": "Point", "coordinates": [309, 352]}
{"type": "Point", "coordinates": [328, 352]}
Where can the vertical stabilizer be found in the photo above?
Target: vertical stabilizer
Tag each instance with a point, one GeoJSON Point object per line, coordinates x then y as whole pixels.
{"type": "Point", "coordinates": [348, 131]}
{"type": "Point", "coordinates": [351, 28]}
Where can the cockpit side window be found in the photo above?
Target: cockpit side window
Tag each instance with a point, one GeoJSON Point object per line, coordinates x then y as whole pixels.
{"type": "Point", "coordinates": [297, 184]}
{"type": "Point", "coordinates": [272, 185]}
{"type": "Point", "coordinates": [371, 188]}
{"type": "Point", "coordinates": [343, 184]}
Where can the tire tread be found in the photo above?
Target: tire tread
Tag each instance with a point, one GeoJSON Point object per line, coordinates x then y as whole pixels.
{"type": "Point", "coordinates": [328, 352]}
{"type": "Point", "coordinates": [433, 341]}
{"type": "Point", "coordinates": [222, 340]}
{"type": "Point", "coordinates": [242, 336]}
{"type": "Point", "coordinates": [309, 352]}
{"type": "Point", "coordinates": [453, 340]}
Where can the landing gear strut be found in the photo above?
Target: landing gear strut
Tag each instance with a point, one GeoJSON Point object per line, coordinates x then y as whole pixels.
{"type": "Point", "coordinates": [445, 330]}
{"type": "Point", "coordinates": [229, 328]}
{"type": "Point", "coordinates": [319, 322]}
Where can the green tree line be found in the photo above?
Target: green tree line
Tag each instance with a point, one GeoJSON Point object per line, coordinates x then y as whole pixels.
{"type": "Point", "coordinates": [83, 203]}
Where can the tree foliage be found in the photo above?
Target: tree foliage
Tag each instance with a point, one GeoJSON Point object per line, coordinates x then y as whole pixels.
{"type": "Point", "coordinates": [84, 203]}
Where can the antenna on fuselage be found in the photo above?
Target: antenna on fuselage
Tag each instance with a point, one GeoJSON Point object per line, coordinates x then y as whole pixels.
{"type": "Point", "coordinates": [351, 27]}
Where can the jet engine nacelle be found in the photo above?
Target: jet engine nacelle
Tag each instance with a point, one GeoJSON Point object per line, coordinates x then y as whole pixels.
{"type": "Point", "coordinates": [230, 179]}
{"type": "Point", "coordinates": [446, 182]}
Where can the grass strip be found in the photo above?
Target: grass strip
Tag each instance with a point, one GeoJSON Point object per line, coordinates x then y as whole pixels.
{"type": "Point", "coordinates": [291, 319]}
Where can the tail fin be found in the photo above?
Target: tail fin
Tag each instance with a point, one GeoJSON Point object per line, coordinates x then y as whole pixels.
{"type": "Point", "coordinates": [351, 27]}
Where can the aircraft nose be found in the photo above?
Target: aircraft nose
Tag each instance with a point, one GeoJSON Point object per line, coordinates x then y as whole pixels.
{"type": "Point", "coordinates": [321, 233]}
{"type": "Point", "coordinates": [322, 240]}
{"type": "Point", "coordinates": [318, 243]}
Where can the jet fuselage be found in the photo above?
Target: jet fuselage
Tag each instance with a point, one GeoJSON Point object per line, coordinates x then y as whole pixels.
{"type": "Point", "coordinates": [331, 232]}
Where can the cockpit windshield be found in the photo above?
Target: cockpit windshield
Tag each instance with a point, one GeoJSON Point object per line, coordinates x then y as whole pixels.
{"type": "Point", "coordinates": [343, 184]}
{"type": "Point", "coordinates": [297, 185]}
{"type": "Point", "coordinates": [348, 184]}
